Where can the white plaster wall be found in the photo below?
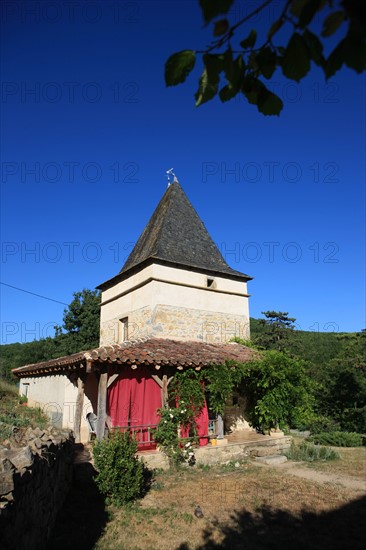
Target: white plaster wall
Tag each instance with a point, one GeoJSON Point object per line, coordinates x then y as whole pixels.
{"type": "Point", "coordinates": [184, 276]}
{"type": "Point", "coordinates": [47, 392]}
{"type": "Point", "coordinates": [70, 408]}
{"type": "Point", "coordinates": [56, 396]}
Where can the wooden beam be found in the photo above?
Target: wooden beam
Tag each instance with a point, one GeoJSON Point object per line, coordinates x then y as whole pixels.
{"type": "Point", "coordinates": [89, 367]}
{"type": "Point", "coordinates": [111, 379]}
{"type": "Point", "coordinates": [102, 405]}
{"type": "Point", "coordinates": [157, 380]}
{"type": "Point", "coordinates": [79, 408]}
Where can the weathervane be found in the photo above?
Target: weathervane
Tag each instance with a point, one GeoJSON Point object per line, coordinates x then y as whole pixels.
{"type": "Point", "coordinates": [170, 174]}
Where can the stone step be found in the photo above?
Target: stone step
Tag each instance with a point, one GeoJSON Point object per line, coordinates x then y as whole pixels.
{"type": "Point", "coordinates": [264, 451]}
{"type": "Point", "coordinates": [271, 460]}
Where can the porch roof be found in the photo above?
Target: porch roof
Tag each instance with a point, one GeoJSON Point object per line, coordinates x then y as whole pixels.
{"type": "Point", "coordinates": [154, 352]}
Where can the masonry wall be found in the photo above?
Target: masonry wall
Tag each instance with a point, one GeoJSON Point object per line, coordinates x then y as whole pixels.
{"type": "Point", "coordinates": [34, 481]}
{"type": "Point", "coordinates": [165, 302]}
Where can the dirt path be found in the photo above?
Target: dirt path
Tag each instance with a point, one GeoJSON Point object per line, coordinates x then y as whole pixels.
{"type": "Point", "coordinates": [296, 469]}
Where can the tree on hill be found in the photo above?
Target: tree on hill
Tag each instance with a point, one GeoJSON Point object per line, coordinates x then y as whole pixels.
{"type": "Point", "coordinates": [277, 330]}
{"type": "Point", "coordinates": [81, 322]}
{"type": "Point", "coordinates": [342, 394]}
{"type": "Point", "coordinates": [291, 43]}
{"type": "Point", "coordinates": [80, 331]}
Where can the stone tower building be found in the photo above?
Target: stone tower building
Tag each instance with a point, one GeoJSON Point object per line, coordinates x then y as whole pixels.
{"type": "Point", "coordinates": [175, 284]}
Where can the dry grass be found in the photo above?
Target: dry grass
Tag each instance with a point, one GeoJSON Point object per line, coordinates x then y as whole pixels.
{"type": "Point", "coordinates": [249, 507]}
{"type": "Point", "coordinates": [352, 463]}
{"type": "Point", "coordinates": [248, 501]}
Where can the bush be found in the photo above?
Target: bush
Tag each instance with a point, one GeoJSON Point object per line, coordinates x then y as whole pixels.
{"type": "Point", "coordinates": [309, 452]}
{"type": "Point", "coordinates": [321, 424]}
{"type": "Point", "coordinates": [120, 473]}
{"type": "Point", "coordinates": [354, 420]}
{"type": "Point", "coordinates": [338, 439]}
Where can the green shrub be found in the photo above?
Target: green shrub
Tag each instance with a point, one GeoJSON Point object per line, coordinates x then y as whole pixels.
{"type": "Point", "coordinates": [120, 475]}
{"type": "Point", "coordinates": [309, 452]}
{"type": "Point", "coordinates": [320, 424]}
{"type": "Point", "coordinates": [354, 420]}
{"type": "Point", "coordinates": [338, 439]}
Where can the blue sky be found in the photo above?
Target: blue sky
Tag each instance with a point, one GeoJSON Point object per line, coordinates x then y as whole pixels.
{"type": "Point", "coordinates": [84, 157]}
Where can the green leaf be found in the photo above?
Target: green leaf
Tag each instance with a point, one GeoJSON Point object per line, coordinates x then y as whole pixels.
{"type": "Point", "coordinates": [228, 92]}
{"type": "Point", "coordinates": [214, 64]}
{"type": "Point", "coordinates": [314, 46]}
{"type": "Point", "coordinates": [297, 6]}
{"type": "Point", "coordinates": [333, 22]}
{"type": "Point", "coordinates": [355, 53]}
{"type": "Point", "coordinates": [296, 61]}
{"type": "Point", "coordinates": [228, 64]}
{"type": "Point", "coordinates": [250, 40]}
{"type": "Point", "coordinates": [275, 27]}
{"type": "Point", "coordinates": [251, 88]}
{"type": "Point", "coordinates": [178, 67]}
{"type": "Point", "coordinates": [207, 89]}
{"type": "Point", "coordinates": [213, 8]}
{"type": "Point", "coordinates": [335, 60]}
{"type": "Point", "coordinates": [267, 103]}
{"type": "Point", "coordinates": [267, 61]}
{"type": "Point", "coordinates": [221, 27]}
{"type": "Point", "coordinates": [235, 72]}
{"type": "Point", "coordinates": [308, 11]}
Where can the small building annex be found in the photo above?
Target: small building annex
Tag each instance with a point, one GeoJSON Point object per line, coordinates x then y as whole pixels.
{"type": "Point", "coordinates": [175, 304]}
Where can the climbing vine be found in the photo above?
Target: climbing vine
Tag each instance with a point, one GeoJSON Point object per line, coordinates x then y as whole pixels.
{"type": "Point", "coordinates": [167, 435]}
{"type": "Point", "coordinates": [220, 383]}
{"type": "Point", "coordinates": [276, 386]}
{"type": "Point", "coordinates": [186, 400]}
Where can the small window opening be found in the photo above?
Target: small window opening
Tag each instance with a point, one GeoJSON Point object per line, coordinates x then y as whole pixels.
{"type": "Point", "coordinates": [123, 329]}
{"type": "Point", "coordinates": [210, 282]}
{"type": "Point", "coordinates": [25, 389]}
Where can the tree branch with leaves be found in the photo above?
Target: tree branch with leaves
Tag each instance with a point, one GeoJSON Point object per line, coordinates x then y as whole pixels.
{"type": "Point", "coordinates": [235, 65]}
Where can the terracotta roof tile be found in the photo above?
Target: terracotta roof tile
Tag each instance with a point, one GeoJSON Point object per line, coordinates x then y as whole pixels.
{"type": "Point", "coordinates": [147, 352]}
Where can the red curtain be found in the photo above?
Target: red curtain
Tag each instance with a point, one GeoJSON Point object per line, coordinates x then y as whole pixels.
{"type": "Point", "coordinates": [133, 400]}
{"type": "Point", "coordinates": [201, 421]}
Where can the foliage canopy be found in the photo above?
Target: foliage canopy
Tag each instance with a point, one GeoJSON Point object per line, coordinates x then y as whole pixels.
{"type": "Point", "coordinates": [243, 64]}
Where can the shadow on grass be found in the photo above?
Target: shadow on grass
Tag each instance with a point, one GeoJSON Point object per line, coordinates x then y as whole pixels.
{"type": "Point", "coordinates": [278, 530]}
{"type": "Point", "coordinates": [82, 519]}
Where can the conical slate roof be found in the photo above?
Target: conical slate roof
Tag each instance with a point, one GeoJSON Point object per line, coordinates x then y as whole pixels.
{"type": "Point", "coordinates": [175, 234]}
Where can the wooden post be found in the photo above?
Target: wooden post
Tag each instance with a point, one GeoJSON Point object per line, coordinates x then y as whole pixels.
{"type": "Point", "coordinates": [79, 407]}
{"type": "Point", "coordinates": [163, 383]}
{"type": "Point", "coordinates": [164, 392]}
{"type": "Point", "coordinates": [102, 405]}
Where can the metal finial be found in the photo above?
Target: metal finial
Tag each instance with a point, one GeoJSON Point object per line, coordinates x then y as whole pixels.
{"type": "Point", "coordinates": [170, 174]}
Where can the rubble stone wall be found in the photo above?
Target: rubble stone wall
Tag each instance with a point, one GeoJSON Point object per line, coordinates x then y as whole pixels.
{"type": "Point", "coordinates": [36, 472]}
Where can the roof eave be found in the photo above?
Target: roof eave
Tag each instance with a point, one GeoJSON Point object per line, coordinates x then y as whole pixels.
{"type": "Point", "coordinates": [235, 275]}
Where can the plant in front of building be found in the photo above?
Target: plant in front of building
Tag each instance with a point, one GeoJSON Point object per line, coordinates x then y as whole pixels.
{"type": "Point", "coordinates": [121, 475]}
{"type": "Point", "coordinates": [167, 435]}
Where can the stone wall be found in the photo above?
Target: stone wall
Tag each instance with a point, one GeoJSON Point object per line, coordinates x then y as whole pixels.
{"type": "Point", "coordinates": [35, 476]}
{"type": "Point", "coordinates": [177, 323]}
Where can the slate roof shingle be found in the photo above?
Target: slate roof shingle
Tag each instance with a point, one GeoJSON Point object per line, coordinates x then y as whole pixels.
{"type": "Point", "coordinates": [175, 234]}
